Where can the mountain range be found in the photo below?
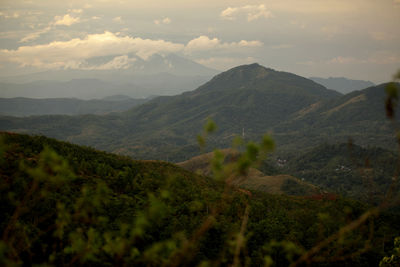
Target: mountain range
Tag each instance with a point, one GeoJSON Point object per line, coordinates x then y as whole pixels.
{"type": "Point", "coordinates": [157, 75]}
{"type": "Point", "coordinates": [64, 204]}
{"type": "Point", "coordinates": [248, 100]}
{"type": "Point", "coordinates": [341, 84]}
{"type": "Point", "coordinates": [21, 106]}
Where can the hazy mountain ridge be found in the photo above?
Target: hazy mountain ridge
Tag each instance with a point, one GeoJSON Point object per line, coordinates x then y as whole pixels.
{"type": "Point", "coordinates": [22, 106]}
{"type": "Point", "coordinates": [157, 75]}
{"type": "Point", "coordinates": [250, 99]}
{"type": "Point", "coordinates": [341, 84]}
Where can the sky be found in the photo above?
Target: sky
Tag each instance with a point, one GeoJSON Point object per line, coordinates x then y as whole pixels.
{"type": "Point", "coordinates": [325, 38]}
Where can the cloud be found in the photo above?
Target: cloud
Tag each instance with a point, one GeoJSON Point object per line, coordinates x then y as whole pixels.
{"type": "Point", "coordinates": [384, 58]}
{"type": "Point", "coordinates": [298, 24]}
{"type": "Point", "coordinates": [162, 21]}
{"type": "Point", "coordinates": [166, 20]}
{"type": "Point", "coordinates": [119, 62]}
{"type": "Point", "coordinates": [66, 20]}
{"type": "Point", "coordinates": [203, 43]}
{"type": "Point", "coordinates": [74, 53]}
{"type": "Point", "coordinates": [252, 12]}
{"type": "Point", "coordinates": [344, 60]}
{"type": "Point", "coordinates": [13, 15]}
{"type": "Point", "coordinates": [224, 63]}
{"type": "Point", "coordinates": [117, 19]}
{"type": "Point", "coordinates": [378, 58]}
{"type": "Point", "coordinates": [35, 35]}
{"type": "Point", "coordinates": [281, 46]}
{"type": "Point", "coordinates": [78, 11]}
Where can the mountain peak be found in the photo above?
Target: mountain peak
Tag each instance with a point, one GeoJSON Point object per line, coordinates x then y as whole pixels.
{"type": "Point", "coordinates": [259, 78]}
{"type": "Point", "coordinates": [254, 67]}
{"type": "Point", "coordinates": [243, 74]}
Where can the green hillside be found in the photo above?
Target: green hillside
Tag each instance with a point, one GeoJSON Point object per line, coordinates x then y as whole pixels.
{"type": "Point", "coordinates": [68, 205]}
{"type": "Point", "coordinates": [248, 98]}
{"type": "Point", "coordinates": [21, 106]}
{"type": "Point", "coordinates": [359, 116]}
{"type": "Point", "coordinates": [347, 169]}
{"type": "Point", "coordinates": [254, 179]}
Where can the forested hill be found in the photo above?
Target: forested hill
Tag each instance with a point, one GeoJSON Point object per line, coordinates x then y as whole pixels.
{"type": "Point", "coordinates": [250, 98]}
{"type": "Point", "coordinates": [360, 116]}
{"type": "Point", "coordinates": [68, 205]}
{"type": "Point", "coordinates": [347, 169]}
{"type": "Point", "coordinates": [21, 106]}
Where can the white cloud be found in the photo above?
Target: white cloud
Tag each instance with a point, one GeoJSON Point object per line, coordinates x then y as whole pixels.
{"type": "Point", "coordinates": [35, 35]}
{"type": "Point", "coordinates": [252, 12]}
{"type": "Point", "coordinates": [165, 20]}
{"type": "Point", "coordinates": [13, 15]}
{"type": "Point", "coordinates": [77, 11]}
{"type": "Point", "coordinates": [119, 62]}
{"type": "Point", "coordinates": [66, 20]}
{"type": "Point", "coordinates": [224, 63]}
{"type": "Point", "coordinates": [76, 52]}
{"type": "Point", "coordinates": [117, 19]}
{"type": "Point", "coordinates": [203, 43]}
{"type": "Point", "coordinates": [73, 53]}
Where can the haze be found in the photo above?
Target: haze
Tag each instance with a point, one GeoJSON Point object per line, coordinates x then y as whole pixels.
{"type": "Point", "coordinates": [353, 39]}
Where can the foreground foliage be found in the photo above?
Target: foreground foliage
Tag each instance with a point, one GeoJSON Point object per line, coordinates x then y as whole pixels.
{"type": "Point", "coordinates": [65, 205]}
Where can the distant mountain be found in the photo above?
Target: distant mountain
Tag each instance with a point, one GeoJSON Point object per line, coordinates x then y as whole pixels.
{"type": "Point", "coordinates": [77, 88]}
{"type": "Point", "coordinates": [143, 86]}
{"type": "Point", "coordinates": [342, 85]}
{"type": "Point", "coordinates": [157, 75]}
{"type": "Point", "coordinates": [69, 106]}
{"type": "Point", "coordinates": [171, 64]}
{"type": "Point", "coordinates": [249, 98]}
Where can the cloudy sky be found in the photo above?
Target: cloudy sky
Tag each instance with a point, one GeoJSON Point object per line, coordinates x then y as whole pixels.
{"type": "Point", "coordinates": [358, 39]}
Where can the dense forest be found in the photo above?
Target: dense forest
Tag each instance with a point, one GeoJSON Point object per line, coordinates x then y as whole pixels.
{"type": "Point", "coordinates": [66, 205]}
